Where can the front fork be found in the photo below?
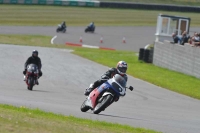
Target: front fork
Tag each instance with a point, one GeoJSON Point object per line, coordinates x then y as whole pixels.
{"type": "Point", "coordinates": [28, 80]}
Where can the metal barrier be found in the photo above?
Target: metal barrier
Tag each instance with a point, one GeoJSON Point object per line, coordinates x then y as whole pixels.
{"type": "Point", "coordinates": [89, 3]}
{"type": "Point", "coordinates": [53, 2]}
{"type": "Point", "coordinates": [150, 6]}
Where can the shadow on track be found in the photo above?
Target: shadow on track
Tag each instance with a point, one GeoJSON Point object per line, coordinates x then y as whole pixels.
{"type": "Point", "coordinates": [117, 116]}
{"type": "Point", "coordinates": [40, 91]}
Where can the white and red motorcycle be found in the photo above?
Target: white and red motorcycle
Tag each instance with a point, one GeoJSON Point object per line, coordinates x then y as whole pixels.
{"type": "Point", "coordinates": [103, 96]}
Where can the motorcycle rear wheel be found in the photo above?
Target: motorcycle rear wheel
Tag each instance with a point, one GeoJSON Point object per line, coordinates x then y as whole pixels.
{"type": "Point", "coordinates": [84, 108]}
{"type": "Point", "coordinates": [102, 105]}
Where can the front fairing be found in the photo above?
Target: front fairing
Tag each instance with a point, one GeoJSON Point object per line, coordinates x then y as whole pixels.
{"type": "Point", "coordinates": [32, 71]}
{"type": "Point", "coordinates": [118, 84]}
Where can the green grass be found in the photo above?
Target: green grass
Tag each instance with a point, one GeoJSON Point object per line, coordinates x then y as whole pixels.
{"type": "Point", "coordinates": [174, 2]}
{"type": "Point", "coordinates": [165, 78]}
{"type": "Point", "coordinates": [24, 120]}
{"type": "Point", "coordinates": [52, 15]}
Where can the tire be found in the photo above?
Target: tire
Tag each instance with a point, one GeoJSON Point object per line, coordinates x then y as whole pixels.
{"type": "Point", "coordinates": [57, 30]}
{"type": "Point", "coordinates": [102, 105]}
{"type": "Point", "coordinates": [31, 83]}
{"type": "Point", "coordinates": [93, 30]}
{"type": "Point", "coordinates": [84, 108]}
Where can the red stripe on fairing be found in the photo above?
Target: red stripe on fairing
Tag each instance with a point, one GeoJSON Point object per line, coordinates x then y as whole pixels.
{"type": "Point", "coordinates": [106, 48]}
{"type": "Point", "coordinates": [73, 44]}
{"type": "Point", "coordinates": [93, 96]}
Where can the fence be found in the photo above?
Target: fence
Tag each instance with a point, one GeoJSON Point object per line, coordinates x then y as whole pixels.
{"type": "Point", "coordinates": [181, 58]}
{"type": "Point", "coordinates": [52, 2]}
{"type": "Point", "coordinates": [90, 3]}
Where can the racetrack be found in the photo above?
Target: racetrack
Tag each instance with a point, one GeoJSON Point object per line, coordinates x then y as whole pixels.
{"type": "Point", "coordinates": [65, 78]}
{"type": "Point", "coordinates": [135, 37]}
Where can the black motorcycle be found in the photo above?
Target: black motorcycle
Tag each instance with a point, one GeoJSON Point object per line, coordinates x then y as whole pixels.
{"type": "Point", "coordinates": [61, 29]}
{"type": "Point", "coordinates": [90, 29]}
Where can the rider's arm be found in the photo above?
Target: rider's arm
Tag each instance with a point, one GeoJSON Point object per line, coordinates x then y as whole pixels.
{"type": "Point", "coordinates": [110, 73]}
{"type": "Point", "coordinates": [39, 64]}
{"type": "Point", "coordinates": [27, 62]}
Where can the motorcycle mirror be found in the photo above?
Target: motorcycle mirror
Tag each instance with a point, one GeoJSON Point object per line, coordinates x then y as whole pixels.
{"type": "Point", "coordinates": [130, 88]}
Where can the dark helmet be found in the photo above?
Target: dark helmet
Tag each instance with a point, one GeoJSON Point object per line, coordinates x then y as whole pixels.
{"type": "Point", "coordinates": [35, 53]}
{"type": "Point", "coordinates": [122, 67]}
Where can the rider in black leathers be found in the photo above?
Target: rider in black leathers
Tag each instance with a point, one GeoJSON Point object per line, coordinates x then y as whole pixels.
{"type": "Point", "coordinates": [120, 69]}
{"type": "Point", "coordinates": [91, 25]}
{"type": "Point", "coordinates": [63, 25]}
{"type": "Point", "coordinates": [34, 59]}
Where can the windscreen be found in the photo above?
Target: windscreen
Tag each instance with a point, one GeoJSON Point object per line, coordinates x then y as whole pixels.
{"type": "Point", "coordinates": [32, 67]}
{"type": "Point", "coordinates": [120, 80]}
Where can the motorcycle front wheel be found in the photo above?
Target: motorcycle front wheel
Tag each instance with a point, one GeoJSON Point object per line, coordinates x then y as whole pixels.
{"type": "Point", "coordinates": [58, 29]}
{"type": "Point", "coordinates": [86, 30]}
{"type": "Point", "coordinates": [84, 108]}
{"type": "Point", "coordinates": [30, 87]}
{"type": "Point", "coordinates": [105, 102]}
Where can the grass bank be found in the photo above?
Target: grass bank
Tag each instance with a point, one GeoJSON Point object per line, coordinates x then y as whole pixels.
{"type": "Point", "coordinates": [165, 78]}
{"type": "Point", "coordinates": [80, 16]}
{"type": "Point", "coordinates": [22, 120]}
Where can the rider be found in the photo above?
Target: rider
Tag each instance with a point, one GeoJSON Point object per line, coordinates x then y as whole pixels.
{"type": "Point", "coordinates": [91, 25]}
{"type": "Point", "coordinates": [120, 69]}
{"type": "Point", "coordinates": [34, 59]}
{"type": "Point", "coordinates": [63, 25]}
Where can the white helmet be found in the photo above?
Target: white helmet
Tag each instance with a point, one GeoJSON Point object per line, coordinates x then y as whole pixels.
{"type": "Point", "coordinates": [122, 67]}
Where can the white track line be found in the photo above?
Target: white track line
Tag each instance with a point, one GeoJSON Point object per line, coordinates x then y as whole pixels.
{"type": "Point", "coordinates": [53, 39]}
{"type": "Point", "coordinates": [88, 46]}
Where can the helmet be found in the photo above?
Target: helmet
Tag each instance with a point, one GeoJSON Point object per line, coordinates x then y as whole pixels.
{"type": "Point", "coordinates": [35, 53]}
{"type": "Point", "coordinates": [122, 67]}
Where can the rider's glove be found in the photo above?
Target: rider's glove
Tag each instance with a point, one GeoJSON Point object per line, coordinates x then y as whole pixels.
{"type": "Point", "coordinates": [24, 72]}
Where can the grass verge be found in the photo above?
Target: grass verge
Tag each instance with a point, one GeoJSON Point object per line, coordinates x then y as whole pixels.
{"type": "Point", "coordinates": [21, 120]}
{"type": "Point", "coordinates": [52, 15]}
{"type": "Point", "coordinates": [165, 78]}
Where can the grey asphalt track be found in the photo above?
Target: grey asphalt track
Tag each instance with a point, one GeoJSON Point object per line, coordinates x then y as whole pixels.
{"type": "Point", "coordinates": [65, 78]}
{"type": "Point", "coordinates": [136, 37]}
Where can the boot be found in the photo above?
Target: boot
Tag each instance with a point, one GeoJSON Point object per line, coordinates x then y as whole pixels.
{"type": "Point", "coordinates": [89, 90]}
{"type": "Point", "coordinates": [36, 82]}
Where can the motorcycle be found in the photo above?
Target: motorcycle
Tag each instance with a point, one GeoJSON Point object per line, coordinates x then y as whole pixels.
{"type": "Point", "coordinates": [103, 96]}
{"type": "Point", "coordinates": [61, 29]}
{"type": "Point", "coordinates": [90, 29]}
{"type": "Point", "coordinates": [31, 76]}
